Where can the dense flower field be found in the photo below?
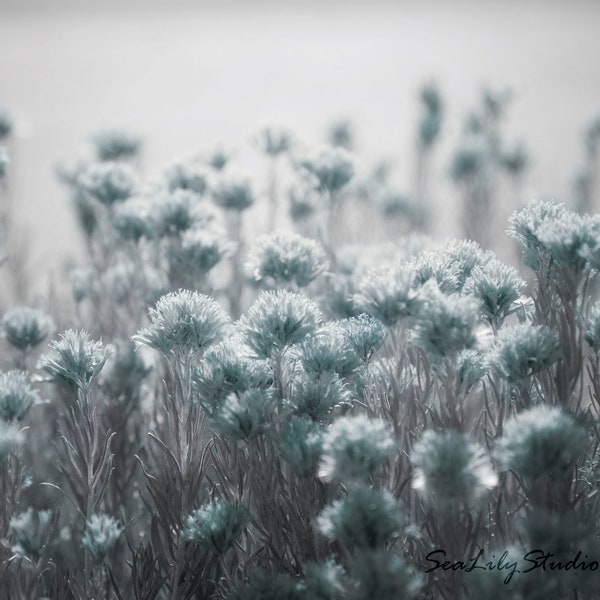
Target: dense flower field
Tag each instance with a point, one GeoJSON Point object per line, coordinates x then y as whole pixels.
{"type": "Point", "coordinates": [214, 413]}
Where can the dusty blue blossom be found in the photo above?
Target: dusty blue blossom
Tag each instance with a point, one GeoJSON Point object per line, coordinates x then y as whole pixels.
{"type": "Point", "coordinates": [101, 533]}
{"type": "Point", "coordinates": [25, 327]}
{"type": "Point", "coordinates": [497, 287]}
{"type": "Point", "coordinates": [523, 350]}
{"type": "Point", "coordinates": [471, 367]}
{"type": "Point", "coordinates": [283, 258]}
{"type": "Point", "coordinates": [365, 334]}
{"type": "Point", "coordinates": [525, 225]}
{"type": "Point", "coordinates": [33, 530]}
{"type": "Point", "coordinates": [246, 415]}
{"type": "Point", "coordinates": [569, 239]}
{"type": "Point", "coordinates": [199, 251]}
{"type": "Point", "coordinates": [124, 371]}
{"type": "Point", "coordinates": [274, 141]}
{"type": "Point", "coordinates": [388, 294]}
{"type": "Point", "coordinates": [16, 395]}
{"type": "Point", "coordinates": [277, 320]}
{"type": "Point", "coordinates": [300, 442]}
{"type": "Point", "coordinates": [75, 359]}
{"type": "Point", "coordinates": [176, 212]}
{"type": "Point", "coordinates": [542, 440]}
{"type": "Point", "coordinates": [353, 447]}
{"type": "Point", "coordinates": [108, 182]}
{"type": "Point", "coordinates": [226, 368]}
{"type": "Point", "coordinates": [331, 167]}
{"type": "Point", "coordinates": [184, 321]}
{"type": "Point", "coordinates": [133, 219]}
{"type": "Point", "coordinates": [450, 469]}
{"type": "Point", "coordinates": [341, 134]}
{"type": "Point", "coordinates": [328, 351]}
{"type": "Point", "coordinates": [114, 144]}
{"type": "Point", "coordinates": [446, 324]}
{"type": "Point", "coordinates": [316, 396]}
{"type": "Point", "coordinates": [189, 176]}
{"type": "Point", "coordinates": [366, 518]}
{"type": "Point", "coordinates": [233, 194]}
{"type": "Point", "coordinates": [216, 526]}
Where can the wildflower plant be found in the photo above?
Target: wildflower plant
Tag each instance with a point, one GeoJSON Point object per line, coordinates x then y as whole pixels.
{"type": "Point", "coordinates": [285, 259]}
{"type": "Point", "coordinates": [102, 532]}
{"type": "Point", "coordinates": [75, 359]}
{"type": "Point", "coordinates": [353, 448]}
{"type": "Point", "coordinates": [216, 526]}
{"type": "Point", "coordinates": [321, 437]}
{"type": "Point", "coordinates": [16, 395]}
{"type": "Point", "coordinates": [184, 321]}
{"type": "Point", "coordinates": [26, 328]}
{"type": "Point", "coordinates": [450, 469]}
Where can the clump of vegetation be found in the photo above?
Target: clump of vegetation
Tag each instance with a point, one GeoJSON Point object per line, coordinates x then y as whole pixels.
{"type": "Point", "coordinates": [223, 409]}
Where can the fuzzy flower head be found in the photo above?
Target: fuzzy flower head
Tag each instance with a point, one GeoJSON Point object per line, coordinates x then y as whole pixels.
{"type": "Point", "coordinates": [284, 258]}
{"type": "Point", "coordinates": [353, 448]}
{"type": "Point", "coordinates": [497, 287]}
{"type": "Point", "coordinates": [316, 396]}
{"type": "Point", "coordinates": [199, 251]}
{"type": "Point", "coordinates": [184, 321]}
{"type": "Point", "coordinates": [364, 333]}
{"type": "Point", "coordinates": [446, 323]}
{"type": "Point", "coordinates": [274, 141]}
{"type": "Point", "coordinates": [75, 359]}
{"type": "Point", "coordinates": [16, 395]}
{"type": "Point", "coordinates": [332, 168]}
{"type": "Point", "coordinates": [525, 227]}
{"type": "Point", "coordinates": [300, 443]}
{"type": "Point", "coordinates": [233, 194]}
{"type": "Point", "coordinates": [114, 145]}
{"type": "Point", "coordinates": [25, 327]}
{"type": "Point", "coordinates": [388, 294]}
{"type": "Point", "coordinates": [277, 320]}
{"type": "Point", "coordinates": [108, 182]}
{"type": "Point", "coordinates": [366, 518]}
{"type": "Point", "coordinates": [569, 239]}
{"type": "Point", "coordinates": [189, 176]}
{"type": "Point", "coordinates": [10, 437]}
{"type": "Point", "coordinates": [244, 416]}
{"type": "Point", "coordinates": [101, 533]}
{"type": "Point", "coordinates": [133, 219]}
{"type": "Point", "coordinates": [542, 440]}
{"type": "Point", "coordinates": [227, 367]}
{"type": "Point", "coordinates": [522, 350]}
{"type": "Point", "coordinates": [176, 212]}
{"type": "Point", "coordinates": [449, 469]}
{"type": "Point", "coordinates": [341, 134]}
{"type": "Point", "coordinates": [33, 531]}
{"type": "Point", "coordinates": [328, 351]}
{"type": "Point", "coordinates": [216, 526]}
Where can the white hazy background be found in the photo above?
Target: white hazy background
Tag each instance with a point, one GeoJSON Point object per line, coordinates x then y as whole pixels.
{"type": "Point", "coordinates": [186, 75]}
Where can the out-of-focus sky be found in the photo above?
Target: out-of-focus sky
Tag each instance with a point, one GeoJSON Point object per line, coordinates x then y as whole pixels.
{"type": "Point", "coordinates": [186, 75]}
